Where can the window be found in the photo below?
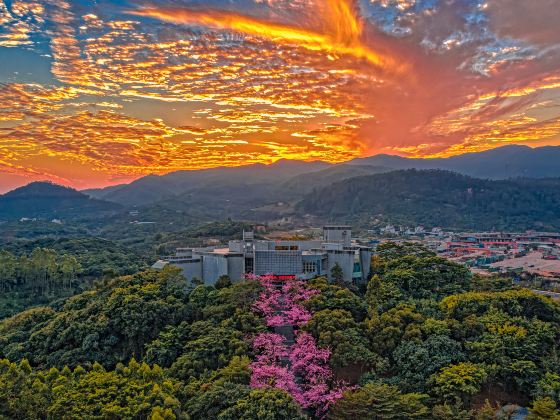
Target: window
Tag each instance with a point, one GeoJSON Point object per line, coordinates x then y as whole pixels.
{"type": "Point", "coordinates": [309, 267]}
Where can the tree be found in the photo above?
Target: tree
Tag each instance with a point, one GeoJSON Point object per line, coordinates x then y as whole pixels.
{"type": "Point", "coordinates": [195, 281]}
{"type": "Point", "coordinates": [335, 297]}
{"type": "Point", "coordinates": [388, 330]}
{"type": "Point", "coordinates": [490, 283]}
{"type": "Point", "coordinates": [208, 348]}
{"type": "Point", "coordinates": [448, 411]}
{"type": "Point", "coordinates": [426, 277]}
{"type": "Point", "coordinates": [548, 386]}
{"type": "Point", "coordinates": [390, 251]}
{"type": "Point", "coordinates": [544, 409]}
{"type": "Point", "coordinates": [23, 393]}
{"type": "Point", "coordinates": [8, 264]}
{"type": "Point", "coordinates": [379, 401]}
{"type": "Point", "coordinates": [223, 282]}
{"type": "Point", "coordinates": [210, 400]}
{"type": "Point", "coordinates": [337, 330]}
{"type": "Point", "coordinates": [415, 362]}
{"type": "Point", "coordinates": [264, 404]}
{"type": "Point", "coordinates": [69, 268]}
{"type": "Point", "coordinates": [109, 325]}
{"type": "Point", "coordinates": [337, 275]}
{"type": "Point", "coordinates": [487, 411]}
{"type": "Point", "coordinates": [132, 391]}
{"type": "Point", "coordinates": [458, 382]}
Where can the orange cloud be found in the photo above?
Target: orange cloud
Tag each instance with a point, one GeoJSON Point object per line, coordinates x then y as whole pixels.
{"type": "Point", "coordinates": [341, 36]}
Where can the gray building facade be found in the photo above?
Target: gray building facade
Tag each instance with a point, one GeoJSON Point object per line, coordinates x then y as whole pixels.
{"type": "Point", "coordinates": [284, 259]}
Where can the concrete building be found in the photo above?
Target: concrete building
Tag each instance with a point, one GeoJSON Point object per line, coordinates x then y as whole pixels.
{"type": "Point", "coordinates": [338, 234]}
{"type": "Point", "coordinates": [284, 259]}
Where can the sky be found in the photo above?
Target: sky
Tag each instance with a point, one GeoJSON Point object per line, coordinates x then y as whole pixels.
{"type": "Point", "coordinates": [95, 93]}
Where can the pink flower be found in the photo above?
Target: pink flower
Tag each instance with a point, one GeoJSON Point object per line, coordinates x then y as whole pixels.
{"type": "Point", "coordinates": [297, 315]}
{"type": "Point", "coordinates": [310, 363]}
{"type": "Point", "coordinates": [274, 376]}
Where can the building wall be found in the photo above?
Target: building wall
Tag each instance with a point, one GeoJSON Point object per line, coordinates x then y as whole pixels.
{"type": "Point", "coordinates": [278, 262]}
{"type": "Point", "coordinates": [214, 266]}
{"type": "Point", "coordinates": [236, 267]}
{"type": "Point", "coordinates": [345, 260]}
{"type": "Point", "coordinates": [314, 261]}
{"type": "Point", "coordinates": [341, 234]}
{"type": "Point", "coordinates": [191, 269]}
{"type": "Point", "coordinates": [365, 263]}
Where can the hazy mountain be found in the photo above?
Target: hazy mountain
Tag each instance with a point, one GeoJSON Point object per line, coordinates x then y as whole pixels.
{"type": "Point", "coordinates": [257, 178]}
{"type": "Point", "coordinates": [501, 163]}
{"type": "Point", "coordinates": [305, 183]}
{"type": "Point", "coordinates": [440, 198]}
{"type": "Point", "coordinates": [289, 179]}
{"type": "Point", "coordinates": [47, 200]}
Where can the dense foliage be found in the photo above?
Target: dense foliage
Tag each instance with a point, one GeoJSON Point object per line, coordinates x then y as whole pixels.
{"type": "Point", "coordinates": [42, 271]}
{"type": "Point", "coordinates": [425, 340]}
{"type": "Point", "coordinates": [440, 198]}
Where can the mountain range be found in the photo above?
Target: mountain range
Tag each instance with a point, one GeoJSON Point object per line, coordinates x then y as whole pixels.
{"type": "Point", "coordinates": [512, 186]}
{"type": "Point", "coordinates": [287, 180]}
{"type": "Point", "coordinates": [505, 162]}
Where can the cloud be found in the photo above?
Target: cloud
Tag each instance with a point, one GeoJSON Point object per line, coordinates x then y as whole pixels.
{"type": "Point", "coordinates": [16, 23]}
{"type": "Point", "coordinates": [18, 101]}
{"type": "Point", "coordinates": [234, 82]}
{"type": "Point", "coordinates": [533, 21]}
{"type": "Point", "coordinates": [340, 33]}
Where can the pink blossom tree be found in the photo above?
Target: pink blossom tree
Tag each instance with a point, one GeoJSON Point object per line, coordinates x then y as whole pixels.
{"type": "Point", "coordinates": [270, 347]}
{"type": "Point", "coordinates": [303, 369]}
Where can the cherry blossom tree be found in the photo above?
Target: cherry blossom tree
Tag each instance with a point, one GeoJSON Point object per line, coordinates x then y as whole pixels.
{"type": "Point", "coordinates": [302, 369]}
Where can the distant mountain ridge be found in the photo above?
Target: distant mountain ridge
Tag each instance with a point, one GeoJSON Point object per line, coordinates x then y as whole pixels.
{"type": "Point", "coordinates": [268, 192]}
{"type": "Point", "coordinates": [439, 198]}
{"type": "Point", "coordinates": [505, 162]}
{"type": "Point", "coordinates": [257, 177]}
{"type": "Point", "coordinates": [288, 179]}
{"type": "Point", "coordinates": [48, 200]}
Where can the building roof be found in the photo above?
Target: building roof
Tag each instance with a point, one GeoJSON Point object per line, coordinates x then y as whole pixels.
{"type": "Point", "coordinates": [158, 265]}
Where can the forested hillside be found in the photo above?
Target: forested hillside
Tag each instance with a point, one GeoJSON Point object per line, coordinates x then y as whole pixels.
{"type": "Point", "coordinates": [47, 200]}
{"type": "Point", "coordinates": [335, 194]}
{"type": "Point", "coordinates": [440, 198]}
{"type": "Point", "coordinates": [424, 340]}
{"type": "Point", "coordinates": [42, 271]}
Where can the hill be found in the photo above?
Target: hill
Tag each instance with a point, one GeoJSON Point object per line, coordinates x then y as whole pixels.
{"type": "Point", "coordinates": [287, 180]}
{"type": "Point", "coordinates": [505, 162]}
{"type": "Point", "coordinates": [46, 200]}
{"type": "Point", "coordinates": [224, 181]}
{"type": "Point", "coordinates": [305, 183]}
{"type": "Point", "coordinates": [440, 198]}
{"type": "Point", "coordinates": [146, 346]}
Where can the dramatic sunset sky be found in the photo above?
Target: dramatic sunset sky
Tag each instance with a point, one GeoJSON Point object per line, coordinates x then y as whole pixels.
{"type": "Point", "coordinates": [94, 93]}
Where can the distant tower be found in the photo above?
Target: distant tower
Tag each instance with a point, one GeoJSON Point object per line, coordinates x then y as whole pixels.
{"type": "Point", "coordinates": [248, 236]}
{"type": "Point", "coordinates": [337, 234]}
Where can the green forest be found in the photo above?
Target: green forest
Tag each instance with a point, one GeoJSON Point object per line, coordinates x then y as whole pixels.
{"type": "Point", "coordinates": [440, 198]}
{"type": "Point", "coordinates": [45, 270]}
{"type": "Point", "coordinates": [425, 339]}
